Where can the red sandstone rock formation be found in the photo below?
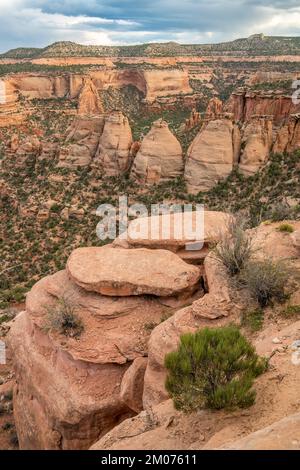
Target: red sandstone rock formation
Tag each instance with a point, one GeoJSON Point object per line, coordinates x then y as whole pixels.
{"type": "Point", "coordinates": [159, 157]}
{"type": "Point", "coordinates": [257, 138]}
{"type": "Point", "coordinates": [113, 153]}
{"type": "Point", "coordinates": [244, 105]}
{"type": "Point", "coordinates": [211, 155]}
{"type": "Point", "coordinates": [288, 136]}
{"type": "Point", "coordinates": [82, 141]}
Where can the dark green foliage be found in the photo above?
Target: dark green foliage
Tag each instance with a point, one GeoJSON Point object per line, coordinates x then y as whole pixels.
{"type": "Point", "coordinates": [266, 281]}
{"type": "Point", "coordinates": [213, 368]}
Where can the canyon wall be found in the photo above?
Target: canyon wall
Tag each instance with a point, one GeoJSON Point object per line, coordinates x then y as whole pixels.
{"type": "Point", "coordinates": [243, 105]}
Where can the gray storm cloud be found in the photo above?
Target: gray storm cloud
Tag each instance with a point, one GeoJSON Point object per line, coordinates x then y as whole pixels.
{"type": "Point", "coordinates": [37, 23]}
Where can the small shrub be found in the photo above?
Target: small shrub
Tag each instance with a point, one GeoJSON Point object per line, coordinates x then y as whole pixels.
{"type": "Point", "coordinates": [213, 368]}
{"type": "Point", "coordinates": [280, 211]}
{"type": "Point", "coordinates": [7, 426]}
{"type": "Point", "coordinates": [291, 310]}
{"type": "Point", "coordinates": [235, 247]}
{"type": "Point", "coordinates": [253, 319]}
{"type": "Point", "coordinates": [63, 318]}
{"type": "Point", "coordinates": [286, 228]}
{"type": "Point", "coordinates": [266, 281]}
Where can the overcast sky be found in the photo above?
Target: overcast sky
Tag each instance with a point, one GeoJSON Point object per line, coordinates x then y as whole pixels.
{"type": "Point", "coordinates": [37, 23]}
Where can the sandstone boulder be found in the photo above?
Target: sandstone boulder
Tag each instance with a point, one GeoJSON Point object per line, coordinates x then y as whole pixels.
{"type": "Point", "coordinates": [150, 430]}
{"type": "Point", "coordinates": [132, 385]}
{"type": "Point", "coordinates": [216, 308]}
{"type": "Point", "coordinates": [117, 271]}
{"type": "Point", "coordinates": [256, 143]}
{"type": "Point", "coordinates": [113, 153]}
{"type": "Point", "coordinates": [211, 155]}
{"type": "Point", "coordinates": [160, 156]}
{"type": "Point", "coordinates": [281, 435]}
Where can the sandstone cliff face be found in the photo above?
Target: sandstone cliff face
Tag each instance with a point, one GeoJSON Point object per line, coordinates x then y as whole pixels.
{"type": "Point", "coordinates": [256, 143]}
{"type": "Point", "coordinates": [211, 155]}
{"type": "Point", "coordinates": [244, 105]}
{"type": "Point", "coordinates": [160, 156]}
{"type": "Point", "coordinates": [10, 111]}
{"type": "Point", "coordinates": [89, 101]}
{"type": "Point", "coordinates": [113, 153]}
{"type": "Point", "coordinates": [166, 82]}
{"type": "Point", "coordinates": [41, 86]}
{"type": "Point", "coordinates": [288, 136]}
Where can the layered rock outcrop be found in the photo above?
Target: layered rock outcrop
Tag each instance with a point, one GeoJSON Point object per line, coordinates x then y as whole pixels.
{"type": "Point", "coordinates": [211, 155]}
{"type": "Point", "coordinates": [76, 390]}
{"type": "Point", "coordinates": [256, 143]}
{"type": "Point", "coordinates": [117, 271]}
{"type": "Point", "coordinates": [113, 153]}
{"type": "Point", "coordinates": [188, 235]}
{"type": "Point", "coordinates": [245, 104]}
{"type": "Point", "coordinates": [159, 157]}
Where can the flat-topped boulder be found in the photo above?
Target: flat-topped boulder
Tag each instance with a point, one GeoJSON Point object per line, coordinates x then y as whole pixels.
{"type": "Point", "coordinates": [187, 234]}
{"type": "Point", "coordinates": [122, 272]}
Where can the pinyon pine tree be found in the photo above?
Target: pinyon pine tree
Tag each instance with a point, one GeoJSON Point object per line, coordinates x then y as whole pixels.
{"type": "Point", "coordinates": [213, 368]}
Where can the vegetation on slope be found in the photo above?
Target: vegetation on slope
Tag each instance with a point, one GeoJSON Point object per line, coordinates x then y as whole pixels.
{"type": "Point", "coordinates": [257, 44]}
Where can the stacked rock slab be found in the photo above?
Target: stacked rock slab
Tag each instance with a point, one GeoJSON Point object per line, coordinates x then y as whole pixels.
{"type": "Point", "coordinates": [211, 155]}
{"type": "Point", "coordinates": [256, 143]}
{"type": "Point", "coordinates": [159, 157]}
{"type": "Point", "coordinates": [113, 153]}
{"type": "Point", "coordinates": [187, 234]}
{"type": "Point", "coordinates": [68, 389]}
